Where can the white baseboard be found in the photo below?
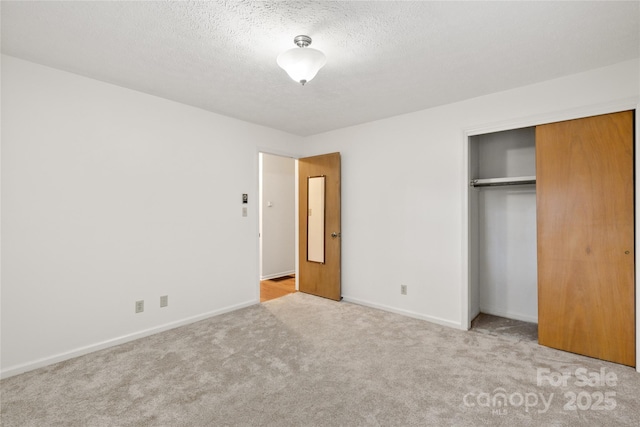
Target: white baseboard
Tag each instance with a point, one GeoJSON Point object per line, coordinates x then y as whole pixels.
{"type": "Point", "coordinates": [509, 314]}
{"type": "Point", "coordinates": [276, 275]}
{"type": "Point", "coordinates": [40, 363]}
{"type": "Point", "coordinates": [432, 319]}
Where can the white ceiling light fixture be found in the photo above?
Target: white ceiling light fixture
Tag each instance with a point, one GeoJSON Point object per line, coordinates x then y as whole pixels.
{"type": "Point", "coordinates": [302, 64]}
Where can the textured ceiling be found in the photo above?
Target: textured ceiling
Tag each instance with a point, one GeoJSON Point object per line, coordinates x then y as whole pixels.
{"type": "Point", "coordinates": [383, 58]}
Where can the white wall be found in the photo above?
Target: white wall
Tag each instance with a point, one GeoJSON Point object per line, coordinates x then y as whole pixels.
{"type": "Point", "coordinates": [405, 188]}
{"type": "Point", "coordinates": [507, 253]}
{"type": "Point", "coordinates": [111, 196]}
{"type": "Point", "coordinates": [278, 216]}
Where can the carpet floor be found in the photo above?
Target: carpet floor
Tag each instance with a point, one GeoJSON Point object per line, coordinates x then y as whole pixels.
{"type": "Point", "coordinates": [306, 361]}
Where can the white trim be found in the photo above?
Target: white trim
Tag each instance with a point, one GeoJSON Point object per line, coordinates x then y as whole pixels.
{"type": "Point", "coordinates": [81, 351]}
{"type": "Point", "coordinates": [465, 319]}
{"type": "Point", "coordinates": [297, 225]}
{"type": "Point", "coordinates": [276, 275]}
{"type": "Point", "coordinates": [631, 103]}
{"type": "Point", "coordinates": [432, 319]}
{"type": "Point", "coordinates": [280, 153]}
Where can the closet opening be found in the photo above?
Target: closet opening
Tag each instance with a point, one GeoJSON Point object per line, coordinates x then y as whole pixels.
{"type": "Point", "coordinates": [503, 293]}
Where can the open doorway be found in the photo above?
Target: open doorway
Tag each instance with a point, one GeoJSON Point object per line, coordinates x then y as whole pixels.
{"type": "Point", "coordinates": [277, 225]}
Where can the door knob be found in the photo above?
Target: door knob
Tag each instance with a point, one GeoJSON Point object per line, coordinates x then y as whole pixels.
{"type": "Point", "coordinates": [334, 235]}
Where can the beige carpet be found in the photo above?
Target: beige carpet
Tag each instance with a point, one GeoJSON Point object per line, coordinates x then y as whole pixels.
{"type": "Point", "coordinates": [306, 361]}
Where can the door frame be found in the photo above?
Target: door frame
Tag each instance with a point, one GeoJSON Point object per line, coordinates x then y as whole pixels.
{"type": "Point", "coordinates": [256, 222]}
{"type": "Point", "coordinates": [632, 103]}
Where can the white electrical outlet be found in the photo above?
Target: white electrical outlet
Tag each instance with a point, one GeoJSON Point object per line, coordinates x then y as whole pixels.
{"type": "Point", "coordinates": [403, 289]}
{"type": "Point", "coordinates": [164, 300]}
{"type": "Point", "coordinates": [139, 306]}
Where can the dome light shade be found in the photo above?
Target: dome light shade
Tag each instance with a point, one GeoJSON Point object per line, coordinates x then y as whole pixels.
{"type": "Point", "coordinates": [302, 63]}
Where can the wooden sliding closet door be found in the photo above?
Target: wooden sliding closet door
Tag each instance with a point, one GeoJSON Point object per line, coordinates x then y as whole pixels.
{"type": "Point", "coordinates": [585, 218]}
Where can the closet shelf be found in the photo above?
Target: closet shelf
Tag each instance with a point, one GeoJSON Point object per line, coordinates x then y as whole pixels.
{"type": "Point", "coordinates": [512, 180]}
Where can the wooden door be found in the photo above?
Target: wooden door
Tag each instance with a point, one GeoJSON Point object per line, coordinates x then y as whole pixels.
{"type": "Point", "coordinates": [320, 278]}
{"type": "Point", "coordinates": [585, 216]}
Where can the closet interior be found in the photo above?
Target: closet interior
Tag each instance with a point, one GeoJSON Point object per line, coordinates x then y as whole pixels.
{"type": "Point", "coordinates": [502, 204]}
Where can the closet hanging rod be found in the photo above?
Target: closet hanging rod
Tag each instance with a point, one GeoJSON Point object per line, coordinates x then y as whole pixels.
{"type": "Point", "coordinates": [493, 182]}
